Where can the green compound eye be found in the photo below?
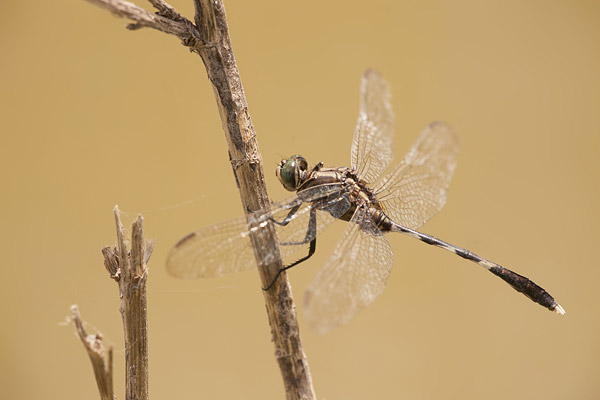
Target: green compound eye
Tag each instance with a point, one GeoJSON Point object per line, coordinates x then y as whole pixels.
{"type": "Point", "coordinates": [291, 172]}
{"type": "Point", "coordinates": [288, 177]}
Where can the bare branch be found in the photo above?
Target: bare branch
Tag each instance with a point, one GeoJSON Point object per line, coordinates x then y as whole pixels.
{"type": "Point", "coordinates": [167, 20]}
{"type": "Point", "coordinates": [166, 10]}
{"type": "Point", "coordinates": [247, 166]}
{"type": "Point", "coordinates": [101, 358]}
{"type": "Point", "coordinates": [128, 268]}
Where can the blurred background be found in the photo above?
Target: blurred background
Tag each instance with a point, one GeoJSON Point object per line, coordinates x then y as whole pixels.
{"type": "Point", "coordinates": [93, 115]}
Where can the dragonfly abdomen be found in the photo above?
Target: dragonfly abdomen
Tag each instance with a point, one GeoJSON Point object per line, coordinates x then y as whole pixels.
{"type": "Point", "coordinates": [518, 282]}
{"type": "Point", "coordinates": [380, 219]}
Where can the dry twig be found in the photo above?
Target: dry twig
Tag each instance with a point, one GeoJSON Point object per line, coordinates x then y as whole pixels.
{"type": "Point", "coordinates": [101, 358]}
{"type": "Point", "coordinates": [209, 37]}
{"type": "Point", "coordinates": [128, 268]}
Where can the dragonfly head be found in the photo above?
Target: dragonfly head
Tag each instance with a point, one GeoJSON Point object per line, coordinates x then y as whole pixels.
{"type": "Point", "coordinates": [292, 172]}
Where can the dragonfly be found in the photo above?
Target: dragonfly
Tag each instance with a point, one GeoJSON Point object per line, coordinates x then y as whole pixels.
{"type": "Point", "coordinates": [371, 197]}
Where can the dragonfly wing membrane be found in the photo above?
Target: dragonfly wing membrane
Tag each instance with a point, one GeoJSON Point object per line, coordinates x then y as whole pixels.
{"type": "Point", "coordinates": [352, 278]}
{"type": "Point", "coordinates": [415, 189]}
{"type": "Point", "coordinates": [373, 140]}
{"type": "Point", "coordinates": [213, 251]}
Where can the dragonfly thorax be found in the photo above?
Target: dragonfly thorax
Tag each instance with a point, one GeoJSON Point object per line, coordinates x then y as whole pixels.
{"type": "Point", "coordinates": [355, 192]}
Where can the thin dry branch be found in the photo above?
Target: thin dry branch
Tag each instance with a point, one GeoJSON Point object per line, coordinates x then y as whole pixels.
{"type": "Point", "coordinates": [99, 356]}
{"type": "Point", "coordinates": [167, 20]}
{"type": "Point", "coordinates": [247, 165]}
{"type": "Point", "coordinates": [209, 38]}
{"type": "Point", "coordinates": [128, 268]}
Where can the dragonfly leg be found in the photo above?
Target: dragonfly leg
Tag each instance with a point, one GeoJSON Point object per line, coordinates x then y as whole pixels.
{"type": "Point", "coordinates": [310, 233]}
{"type": "Point", "coordinates": [288, 217]}
{"type": "Point", "coordinates": [311, 251]}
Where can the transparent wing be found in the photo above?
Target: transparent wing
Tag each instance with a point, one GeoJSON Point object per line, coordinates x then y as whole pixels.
{"type": "Point", "coordinates": [225, 248]}
{"type": "Point", "coordinates": [374, 133]}
{"type": "Point", "coordinates": [352, 278]}
{"type": "Point", "coordinates": [212, 251]}
{"type": "Point", "coordinates": [415, 189]}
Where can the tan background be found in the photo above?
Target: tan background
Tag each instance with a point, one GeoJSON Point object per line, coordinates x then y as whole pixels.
{"type": "Point", "coordinates": [93, 115]}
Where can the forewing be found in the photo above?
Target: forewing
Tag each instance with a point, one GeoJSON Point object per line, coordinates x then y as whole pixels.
{"type": "Point", "coordinates": [374, 133]}
{"type": "Point", "coordinates": [225, 248]}
{"type": "Point", "coordinates": [415, 189]}
{"type": "Point", "coordinates": [352, 278]}
{"type": "Point", "coordinates": [212, 251]}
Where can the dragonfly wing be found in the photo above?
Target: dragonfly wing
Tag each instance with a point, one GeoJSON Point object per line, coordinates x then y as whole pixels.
{"type": "Point", "coordinates": [374, 133]}
{"type": "Point", "coordinates": [352, 278]}
{"type": "Point", "coordinates": [415, 189]}
{"type": "Point", "coordinates": [225, 248]}
{"type": "Point", "coordinates": [212, 251]}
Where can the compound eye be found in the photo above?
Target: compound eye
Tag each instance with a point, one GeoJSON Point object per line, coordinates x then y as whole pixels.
{"type": "Point", "coordinates": [292, 172]}
{"type": "Point", "coordinates": [286, 172]}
